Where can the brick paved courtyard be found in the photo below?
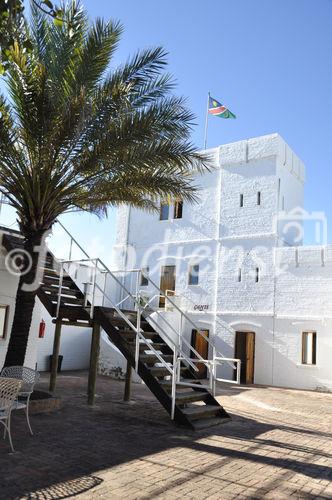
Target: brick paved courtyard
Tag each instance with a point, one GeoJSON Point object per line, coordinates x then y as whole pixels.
{"type": "Point", "coordinates": [277, 445]}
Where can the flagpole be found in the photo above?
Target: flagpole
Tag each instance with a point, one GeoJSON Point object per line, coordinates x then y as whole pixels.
{"type": "Point", "coordinates": [206, 120]}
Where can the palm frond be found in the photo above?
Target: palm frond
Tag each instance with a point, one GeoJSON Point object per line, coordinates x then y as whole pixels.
{"type": "Point", "coordinates": [76, 134]}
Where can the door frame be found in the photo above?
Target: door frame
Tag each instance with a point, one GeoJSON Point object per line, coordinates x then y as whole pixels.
{"type": "Point", "coordinates": [250, 347]}
{"type": "Point", "coordinates": [162, 300]}
{"type": "Point", "coordinates": [194, 334]}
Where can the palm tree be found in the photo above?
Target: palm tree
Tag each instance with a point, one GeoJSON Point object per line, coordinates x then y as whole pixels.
{"type": "Point", "coordinates": [76, 135]}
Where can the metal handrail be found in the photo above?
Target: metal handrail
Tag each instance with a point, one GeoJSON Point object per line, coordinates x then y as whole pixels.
{"type": "Point", "coordinates": [212, 344]}
{"type": "Point", "coordinates": [73, 240]}
{"type": "Point", "coordinates": [237, 368]}
{"type": "Point", "coordinates": [114, 305]}
{"type": "Point", "coordinates": [183, 339]}
{"type": "Point", "coordinates": [178, 355]}
{"type": "Point", "coordinates": [221, 322]}
{"type": "Point", "coordinates": [119, 311]}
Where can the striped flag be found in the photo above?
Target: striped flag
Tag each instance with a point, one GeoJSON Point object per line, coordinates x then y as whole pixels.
{"type": "Point", "coordinates": [218, 109]}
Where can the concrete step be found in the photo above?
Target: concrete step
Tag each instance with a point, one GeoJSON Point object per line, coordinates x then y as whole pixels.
{"type": "Point", "coordinates": [209, 422]}
{"type": "Point", "coordinates": [198, 412]}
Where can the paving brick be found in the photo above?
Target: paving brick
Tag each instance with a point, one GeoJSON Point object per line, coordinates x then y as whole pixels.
{"type": "Point", "coordinates": [122, 451]}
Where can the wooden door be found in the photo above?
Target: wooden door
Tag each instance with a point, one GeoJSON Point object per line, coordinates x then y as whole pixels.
{"type": "Point", "coordinates": [202, 347]}
{"type": "Point", "coordinates": [250, 352]}
{"type": "Point", "coordinates": [245, 351]}
{"type": "Point", "coordinates": [167, 282]}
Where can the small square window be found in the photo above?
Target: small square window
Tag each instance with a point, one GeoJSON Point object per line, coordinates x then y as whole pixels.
{"type": "Point", "coordinates": [193, 275]}
{"type": "Point", "coordinates": [144, 276]}
{"type": "Point", "coordinates": [258, 198]}
{"type": "Point", "coordinates": [178, 209]}
{"type": "Point", "coordinates": [241, 200]}
{"type": "Point", "coordinates": [164, 211]}
{"type": "Point", "coordinates": [3, 320]}
{"type": "Point", "coordinates": [309, 348]}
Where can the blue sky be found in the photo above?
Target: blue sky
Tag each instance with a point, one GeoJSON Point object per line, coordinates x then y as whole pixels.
{"type": "Point", "coordinates": [269, 61]}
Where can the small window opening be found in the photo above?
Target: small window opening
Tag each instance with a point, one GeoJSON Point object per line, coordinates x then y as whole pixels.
{"type": "Point", "coordinates": [164, 211]}
{"type": "Point", "coordinates": [239, 275]}
{"type": "Point", "coordinates": [178, 209]}
{"type": "Point", "coordinates": [241, 200]}
{"type": "Point", "coordinates": [145, 276]}
{"type": "Point", "coordinates": [193, 278]}
{"type": "Point", "coordinates": [258, 198]}
{"type": "Point", "coordinates": [257, 275]}
{"type": "Point", "coordinates": [309, 348]}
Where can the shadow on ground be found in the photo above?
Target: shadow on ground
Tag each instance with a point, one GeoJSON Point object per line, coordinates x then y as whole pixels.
{"type": "Point", "coordinates": [71, 447]}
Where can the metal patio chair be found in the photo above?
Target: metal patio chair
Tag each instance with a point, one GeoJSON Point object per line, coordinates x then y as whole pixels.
{"type": "Point", "coordinates": [29, 378]}
{"type": "Point", "coordinates": [9, 389]}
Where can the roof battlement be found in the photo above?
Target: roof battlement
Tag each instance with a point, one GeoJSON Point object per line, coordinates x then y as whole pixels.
{"type": "Point", "coordinates": [320, 255]}
{"type": "Point", "coordinates": [258, 148]}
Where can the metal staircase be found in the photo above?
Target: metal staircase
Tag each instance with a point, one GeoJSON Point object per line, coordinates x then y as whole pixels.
{"type": "Point", "coordinates": [84, 291]}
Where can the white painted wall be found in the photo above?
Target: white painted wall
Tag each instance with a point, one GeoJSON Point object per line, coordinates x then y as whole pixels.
{"type": "Point", "coordinates": [74, 347]}
{"type": "Point", "coordinates": [8, 287]}
{"type": "Point", "coordinates": [277, 308]}
{"type": "Point", "coordinates": [75, 342]}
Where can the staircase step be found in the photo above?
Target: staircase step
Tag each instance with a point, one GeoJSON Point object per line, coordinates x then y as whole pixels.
{"type": "Point", "coordinates": [73, 313]}
{"type": "Point", "coordinates": [197, 412]}
{"type": "Point", "coordinates": [54, 289]}
{"type": "Point", "coordinates": [75, 301]}
{"type": "Point", "coordinates": [209, 422]}
{"type": "Point", "coordinates": [151, 359]}
{"type": "Point", "coordinates": [48, 271]}
{"type": "Point", "coordinates": [161, 371]}
{"type": "Point", "coordinates": [190, 397]}
{"type": "Point", "coordinates": [157, 346]}
{"type": "Point", "coordinates": [130, 334]}
{"type": "Point", "coordinates": [167, 385]}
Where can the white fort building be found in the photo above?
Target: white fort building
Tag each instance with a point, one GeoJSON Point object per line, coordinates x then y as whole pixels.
{"type": "Point", "coordinates": [233, 265]}
{"type": "Point", "coordinates": [237, 257]}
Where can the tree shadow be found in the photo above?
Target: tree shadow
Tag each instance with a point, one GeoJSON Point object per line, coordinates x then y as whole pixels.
{"type": "Point", "coordinates": [69, 447]}
{"type": "Point", "coordinates": [66, 489]}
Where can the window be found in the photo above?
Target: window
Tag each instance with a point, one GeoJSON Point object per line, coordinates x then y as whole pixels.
{"type": "Point", "coordinates": [257, 274]}
{"type": "Point", "coordinates": [193, 274]}
{"type": "Point", "coordinates": [258, 198]}
{"type": "Point", "coordinates": [309, 346]}
{"type": "Point", "coordinates": [3, 321]}
{"type": "Point", "coordinates": [239, 275]}
{"type": "Point", "coordinates": [178, 208]}
{"type": "Point", "coordinates": [145, 276]}
{"type": "Point", "coordinates": [164, 211]}
{"type": "Point", "coordinates": [283, 203]}
{"type": "Point", "coordinates": [241, 200]}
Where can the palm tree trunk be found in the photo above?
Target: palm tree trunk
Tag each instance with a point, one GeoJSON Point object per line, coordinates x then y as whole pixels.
{"type": "Point", "coordinates": [25, 302]}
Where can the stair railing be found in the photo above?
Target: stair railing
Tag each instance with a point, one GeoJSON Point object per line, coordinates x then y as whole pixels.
{"type": "Point", "coordinates": [178, 353]}
{"type": "Point", "coordinates": [181, 339]}
{"type": "Point", "coordinates": [217, 356]}
{"type": "Point", "coordinates": [139, 334]}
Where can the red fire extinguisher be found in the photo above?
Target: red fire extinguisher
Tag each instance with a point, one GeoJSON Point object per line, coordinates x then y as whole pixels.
{"type": "Point", "coordinates": [42, 326]}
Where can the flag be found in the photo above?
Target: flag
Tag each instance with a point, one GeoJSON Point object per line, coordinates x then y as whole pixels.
{"type": "Point", "coordinates": [218, 109]}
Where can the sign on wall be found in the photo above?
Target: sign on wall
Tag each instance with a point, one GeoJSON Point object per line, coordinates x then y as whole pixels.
{"type": "Point", "coordinates": [201, 307]}
{"type": "Point", "coordinates": [3, 320]}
